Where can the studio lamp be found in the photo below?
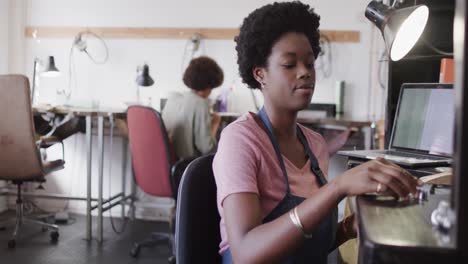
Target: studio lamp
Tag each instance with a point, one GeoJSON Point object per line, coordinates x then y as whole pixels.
{"type": "Point", "coordinates": [401, 28]}
{"type": "Point", "coordinates": [143, 78]}
{"type": "Point", "coordinates": [49, 70]}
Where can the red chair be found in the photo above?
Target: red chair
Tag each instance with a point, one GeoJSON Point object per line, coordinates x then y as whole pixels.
{"type": "Point", "coordinates": [154, 166]}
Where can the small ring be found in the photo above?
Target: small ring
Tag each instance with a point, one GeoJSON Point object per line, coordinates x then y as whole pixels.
{"type": "Point", "coordinates": [379, 187]}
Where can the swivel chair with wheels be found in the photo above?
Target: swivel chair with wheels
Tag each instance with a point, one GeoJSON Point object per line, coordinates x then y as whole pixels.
{"type": "Point", "coordinates": [154, 166]}
{"type": "Point", "coordinates": [20, 160]}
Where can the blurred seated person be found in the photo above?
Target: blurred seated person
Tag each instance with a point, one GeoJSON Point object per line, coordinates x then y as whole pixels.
{"type": "Point", "coordinates": [189, 122]}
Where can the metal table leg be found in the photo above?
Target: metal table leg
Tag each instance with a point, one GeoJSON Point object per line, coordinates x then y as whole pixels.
{"type": "Point", "coordinates": [88, 177]}
{"type": "Point", "coordinates": [101, 174]}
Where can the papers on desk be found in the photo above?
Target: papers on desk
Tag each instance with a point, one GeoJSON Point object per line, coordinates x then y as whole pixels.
{"type": "Point", "coordinates": [311, 114]}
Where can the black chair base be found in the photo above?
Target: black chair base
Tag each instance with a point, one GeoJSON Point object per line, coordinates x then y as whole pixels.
{"type": "Point", "coordinates": [155, 239]}
{"type": "Point", "coordinates": [54, 234]}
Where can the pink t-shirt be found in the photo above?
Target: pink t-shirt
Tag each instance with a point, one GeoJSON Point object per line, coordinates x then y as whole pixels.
{"type": "Point", "coordinates": [246, 163]}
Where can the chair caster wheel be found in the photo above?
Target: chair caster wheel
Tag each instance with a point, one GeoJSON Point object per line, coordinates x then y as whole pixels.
{"type": "Point", "coordinates": [54, 236]}
{"type": "Point", "coordinates": [12, 243]}
{"type": "Point", "coordinates": [135, 251]}
{"type": "Point", "coordinates": [171, 260]}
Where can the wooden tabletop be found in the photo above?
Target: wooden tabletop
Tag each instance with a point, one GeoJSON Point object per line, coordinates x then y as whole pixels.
{"type": "Point", "coordinates": [334, 121]}
{"type": "Point", "coordinates": [80, 111]}
{"type": "Point", "coordinates": [386, 221]}
{"type": "Point", "coordinates": [392, 231]}
{"type": "Point", "coordinates": [337, 122]}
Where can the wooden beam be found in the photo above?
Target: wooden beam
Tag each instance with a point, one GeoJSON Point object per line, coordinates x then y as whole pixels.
{"type": "Point", "coordinates": [164, 33]}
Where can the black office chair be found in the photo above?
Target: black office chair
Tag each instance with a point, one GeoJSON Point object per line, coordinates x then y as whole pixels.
{"type": "Point", "coordinates": [197, 219]}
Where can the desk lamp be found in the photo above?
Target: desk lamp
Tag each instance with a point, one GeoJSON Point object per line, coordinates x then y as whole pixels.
{"type": "Point", "coordinates": [143, 79]}
{"type": "Point", "coordinates": [401, 28]}
{"type": "Point", "coordinates": [49, 70]}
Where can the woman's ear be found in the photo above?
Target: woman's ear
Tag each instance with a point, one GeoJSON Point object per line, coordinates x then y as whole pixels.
{"type": "Point", "coordinates": [259, 75]}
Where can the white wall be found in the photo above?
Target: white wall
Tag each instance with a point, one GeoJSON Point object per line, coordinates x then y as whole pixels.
{"type": "Point", "coordinates": [112, 84]}
{"type": "Point", "coordinates": [17, 18]}
{"type": "Point", "coordinates": [4, 26]}
{"type": "Point", "coordinates": [350, 60]}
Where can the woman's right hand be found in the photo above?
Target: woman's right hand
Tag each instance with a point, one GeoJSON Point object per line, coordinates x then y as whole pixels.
{"type": "Point", "coordinates": [381, 176]}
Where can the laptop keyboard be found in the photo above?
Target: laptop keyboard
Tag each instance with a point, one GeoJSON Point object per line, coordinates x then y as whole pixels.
{"type": "Point", "coordinates": [407, 157]}
{"type": "Point", "coordinates": [413, 155]}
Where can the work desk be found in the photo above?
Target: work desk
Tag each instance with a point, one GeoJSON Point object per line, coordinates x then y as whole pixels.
{"type": "Point", "coordinates": [335, 122]}
{"type": "Point", "coordinates": [330, 127]}
{"type": "Point", "coordinates": [99, 114]}
{"type": "Point", "coordinates": [339, 122]}
{"type": "Point", "coordinates": [392, 231]}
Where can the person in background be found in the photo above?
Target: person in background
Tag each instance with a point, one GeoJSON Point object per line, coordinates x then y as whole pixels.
{"type": "Point", "coordinates": [190, 124]}
{"type": "Point", "coordinates": [275, 201]}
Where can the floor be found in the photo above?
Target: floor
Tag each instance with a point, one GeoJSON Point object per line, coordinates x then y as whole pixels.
{"type": "Point", "coordinates": [34, 246]}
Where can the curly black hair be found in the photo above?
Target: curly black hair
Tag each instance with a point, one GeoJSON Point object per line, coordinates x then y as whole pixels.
{"type": "Point", "coordinates": [202, 73]}
{"type": "Point", "coordinates": [262, 28]}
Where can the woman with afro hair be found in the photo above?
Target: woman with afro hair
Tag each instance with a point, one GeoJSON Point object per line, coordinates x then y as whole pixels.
{"type": "Point", "coordinates": [275, 202]}
{"type": "Point", "coordinates": [190, 125]}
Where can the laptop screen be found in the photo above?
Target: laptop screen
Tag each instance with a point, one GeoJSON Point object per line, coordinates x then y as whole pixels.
{"type": "Point", "coordinates": [425, 119]}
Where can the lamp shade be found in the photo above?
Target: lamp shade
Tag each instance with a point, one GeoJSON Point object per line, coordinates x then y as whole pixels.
{"type": "Point", "coordinates": [401, 28]}
{"type": "Point", "coordinates": [143, 78]}
{"type": "Point", "coordinates": [50, 69]}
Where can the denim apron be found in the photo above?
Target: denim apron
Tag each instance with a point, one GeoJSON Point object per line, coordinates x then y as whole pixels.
{"type": "Point", "coordinates": [316, 248]}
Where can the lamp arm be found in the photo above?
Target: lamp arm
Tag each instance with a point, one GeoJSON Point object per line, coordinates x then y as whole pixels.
{"type": "Point", "coordinates": [397, 1]}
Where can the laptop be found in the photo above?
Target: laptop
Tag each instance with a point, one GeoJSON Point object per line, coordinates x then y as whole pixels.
{"type": "Point", "coordinates": [423, 130]}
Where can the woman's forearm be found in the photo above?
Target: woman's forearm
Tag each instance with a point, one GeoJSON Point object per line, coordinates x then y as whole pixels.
{"type": "Point", "coordinates": [273, 241]}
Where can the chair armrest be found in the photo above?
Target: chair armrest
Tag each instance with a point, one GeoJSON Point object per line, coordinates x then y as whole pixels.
{"type": "Point", "coordinates": [45, 142]}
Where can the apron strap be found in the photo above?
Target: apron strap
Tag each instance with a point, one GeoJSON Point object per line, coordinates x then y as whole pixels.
{"type": "Point", "coordinates": [314, 164]}
{"type": "Point", "coordinates": [269, 129]}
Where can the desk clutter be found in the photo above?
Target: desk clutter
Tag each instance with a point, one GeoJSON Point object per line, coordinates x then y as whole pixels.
{"type": "Point", "coordinates": [443, 178]}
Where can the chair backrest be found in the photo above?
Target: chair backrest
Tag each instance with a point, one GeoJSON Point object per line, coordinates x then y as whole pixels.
{"type": "Point", "coordinates": [197, 219]}
{"type": "Point", "coordinates": [19, 155]}
{"type": "Point", "coordinates": [150, 149]}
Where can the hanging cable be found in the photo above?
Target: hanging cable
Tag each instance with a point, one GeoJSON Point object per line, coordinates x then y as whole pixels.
{"type": "Point", "coordinates": [196, 41]}
{"type": "Point", "coordinates": [323, 61]}
{"type": "Point", "coordinates": [381, 70]}
{"type": "Point", "coordinates": [441, 52]}
{"type": "Point", "coordinates": [82, 45]}
{"type": "Point", "coordinates": [125, 219]}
